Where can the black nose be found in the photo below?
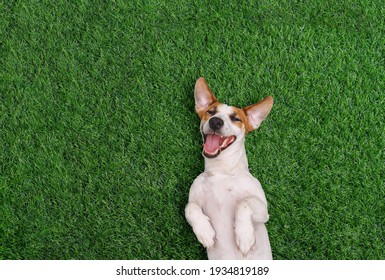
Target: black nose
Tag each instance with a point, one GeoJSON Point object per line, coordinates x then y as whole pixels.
{"type": "Point", "coordinates": [215, 123]}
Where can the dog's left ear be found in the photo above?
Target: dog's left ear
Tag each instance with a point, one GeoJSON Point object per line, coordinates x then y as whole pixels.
{"type": "Point", "coordinates": [258, 112]}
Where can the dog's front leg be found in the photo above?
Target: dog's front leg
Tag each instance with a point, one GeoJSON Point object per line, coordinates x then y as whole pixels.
{"type": "Point", "coordinates": [247, 213]}
{"type": "Point", "coordinates": [201, 224]}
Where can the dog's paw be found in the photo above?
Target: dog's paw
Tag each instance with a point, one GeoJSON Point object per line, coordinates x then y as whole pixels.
{"type": "Point", "coordinates": [260, 217]}
{"type": "Point", "coordinates": [207, 239]}
{"type": "Point", "coordinates": [206, 235]}
{"type": "Point", "coordinates": [244, 237]}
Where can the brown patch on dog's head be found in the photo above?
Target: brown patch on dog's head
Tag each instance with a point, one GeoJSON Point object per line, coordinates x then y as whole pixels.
{"type": "Point", "coordinates": [239, 118]}
{"type": "Point", "coordinates": [206, 114]}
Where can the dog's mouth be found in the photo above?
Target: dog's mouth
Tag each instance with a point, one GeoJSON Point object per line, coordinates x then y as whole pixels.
{"type": "Point", "coordinates": [215, 143]}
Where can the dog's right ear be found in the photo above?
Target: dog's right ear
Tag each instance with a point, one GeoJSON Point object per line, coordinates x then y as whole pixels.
{"type": "Point", "coordinates": [203, 96]}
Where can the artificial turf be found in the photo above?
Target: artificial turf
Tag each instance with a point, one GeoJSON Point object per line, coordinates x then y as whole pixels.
{"type": "Point", "coordinates": [99, 141]}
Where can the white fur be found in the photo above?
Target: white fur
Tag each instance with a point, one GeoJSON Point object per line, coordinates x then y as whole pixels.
{"type": "Point", "coordinates": [227, 208]}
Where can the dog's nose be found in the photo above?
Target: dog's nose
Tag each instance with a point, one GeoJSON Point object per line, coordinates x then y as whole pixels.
{"type": "Point", "coordinates": [215, 123]}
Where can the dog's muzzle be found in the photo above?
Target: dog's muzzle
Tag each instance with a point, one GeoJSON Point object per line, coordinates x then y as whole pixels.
{"type": "Point", "coordinates": [214, 142]}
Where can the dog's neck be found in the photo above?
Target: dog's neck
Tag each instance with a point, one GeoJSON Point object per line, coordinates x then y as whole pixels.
{"type": "Point", "coordinates": [231, 161]}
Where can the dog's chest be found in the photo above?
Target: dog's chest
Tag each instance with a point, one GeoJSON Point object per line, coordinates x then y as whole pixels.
{"type": "Point", "coordinates": [223, 193]}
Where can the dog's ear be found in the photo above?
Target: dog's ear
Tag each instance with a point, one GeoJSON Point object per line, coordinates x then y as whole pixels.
{"type": "Point", "coordinates": [203, 96]}
{"type": "Point", "coordinates": [258, 112]}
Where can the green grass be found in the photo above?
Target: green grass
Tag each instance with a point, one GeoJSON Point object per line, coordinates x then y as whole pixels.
{"type": "Point", "coordinates": [99, 141]}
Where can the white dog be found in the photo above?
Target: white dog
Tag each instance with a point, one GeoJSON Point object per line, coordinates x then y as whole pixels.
{"type": "Point", "coordinates": [227, 208]}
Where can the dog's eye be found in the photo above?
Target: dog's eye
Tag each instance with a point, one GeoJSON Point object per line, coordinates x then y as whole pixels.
{"type": "Point", "coordinates": [234, 118]}
{"type": "Point", "coordinates": [211, 112]}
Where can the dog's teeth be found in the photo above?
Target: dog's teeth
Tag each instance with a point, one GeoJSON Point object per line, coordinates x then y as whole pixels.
{"type": "Point", "coordinates": [224, 142]}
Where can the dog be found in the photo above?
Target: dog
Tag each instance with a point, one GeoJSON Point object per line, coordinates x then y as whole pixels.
{"type": "Point", "coordinates": [227, 207]}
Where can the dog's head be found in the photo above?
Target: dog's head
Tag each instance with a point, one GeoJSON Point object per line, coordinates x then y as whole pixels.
{"type": "Point", "coordinates": [223, 125]}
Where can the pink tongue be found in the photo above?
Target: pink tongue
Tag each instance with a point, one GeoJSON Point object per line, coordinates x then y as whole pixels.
{"type": "Point", "coordinates": [212, 143]}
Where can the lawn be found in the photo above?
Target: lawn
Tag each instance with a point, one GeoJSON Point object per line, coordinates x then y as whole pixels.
{"type": "Point", "coordinates": [99, 141]}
